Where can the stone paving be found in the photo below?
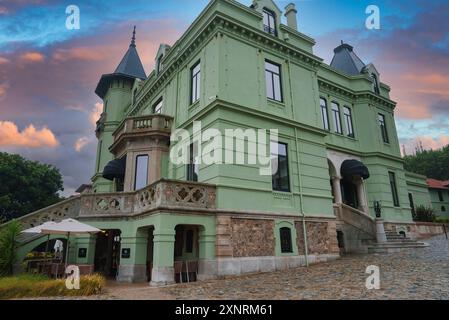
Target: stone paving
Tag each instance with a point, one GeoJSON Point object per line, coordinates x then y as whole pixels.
{"type": "Point", "coordinates": [411, 274]}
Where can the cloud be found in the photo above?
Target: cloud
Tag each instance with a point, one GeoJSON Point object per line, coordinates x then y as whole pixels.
{"type": "Point", "coordinates": [3, 60]}
{"type": "Point", "coordinates": [81, 143]}
{"type": "Point", "coordinates": [95, 114]}
{"type": "Point", "coordinates": [79, 53]}
{"type": "Point", "coordinates": [428, 142]}
{"type": "Point", "coordinates": [3, 10]}
{"type": "Point", "coordinates": [10, 136]}
{"type": "Point", "coordinates": [3, 88]}
{"type": "Point", "coordinates": [32, 57]}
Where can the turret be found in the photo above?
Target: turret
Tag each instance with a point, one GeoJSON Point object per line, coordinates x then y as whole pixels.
{"type": "Point", "coordinates": [115, 89]}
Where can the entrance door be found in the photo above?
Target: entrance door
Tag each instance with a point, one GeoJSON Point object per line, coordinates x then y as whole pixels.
{"type": "Point", "coordinates": [107, 253]}
{"type": "Point", "coordinates": [349, 193]}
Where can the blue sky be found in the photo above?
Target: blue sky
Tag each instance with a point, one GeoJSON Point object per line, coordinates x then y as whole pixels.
{"type": "Point", "coordinates": [48, 74]}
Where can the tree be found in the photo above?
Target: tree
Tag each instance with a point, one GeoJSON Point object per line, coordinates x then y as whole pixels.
{"type": "Point", "coordinates": [26, 186]}
{"type": "Point", "coordinates": [433, 163]}
{"type": "Point", "coordinates": [8, 247]}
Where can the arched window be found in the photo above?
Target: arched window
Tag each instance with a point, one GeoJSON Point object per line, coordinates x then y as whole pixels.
{"type": "Point", "coordinates": [443, 209]}
{"type": "Point", "coordinates": [286, 240]}
{"type": "Point", "coordinates": [269, 21]}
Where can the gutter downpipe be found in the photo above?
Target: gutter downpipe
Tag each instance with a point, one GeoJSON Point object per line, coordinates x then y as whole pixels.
{"type": "Point", "coordinates": [301, 206]}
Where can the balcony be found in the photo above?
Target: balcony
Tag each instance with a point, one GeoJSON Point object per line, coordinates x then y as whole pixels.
{"type": "Point", "coordinates": [149, 125]}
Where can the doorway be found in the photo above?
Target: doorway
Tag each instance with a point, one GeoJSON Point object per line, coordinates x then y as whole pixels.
{"type": "Point", "coordinates": [107, 253]}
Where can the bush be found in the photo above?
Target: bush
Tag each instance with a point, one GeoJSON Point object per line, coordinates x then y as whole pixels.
{"type": "Point", "coordinates": [8, 246]}
{"type": "Point", "coordinates": [32, 286]}
{"type": "Point", "coordinates": [424, 214]}
{"type": "Point", "coordinates": [442, 220]}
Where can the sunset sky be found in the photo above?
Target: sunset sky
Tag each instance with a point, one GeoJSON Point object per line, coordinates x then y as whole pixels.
{"type": "Point", "coordinates": [48, 74]}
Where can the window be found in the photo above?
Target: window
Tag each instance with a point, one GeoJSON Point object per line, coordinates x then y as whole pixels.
{"type": "Point", "coordinates": [192, 167]}
{"type": "Point", "coordinates": [134, 95]}
{"type": "Point", "coordinates": [412, 204]}
{"type": "Point", "coordinates": [348, 120]}
{"type": "Point", "coordinates": [269, 22]}
{"type": "Point", "coordinates": [324, 114]}
{"type": "Point", "coordinates": [195, 82]}
{"type": "Point", "coordinates": [159, 64]}
{"type": "Point", "coordinates": [279, 158]}
{"type": "Point", "coordinates": [286, 240]}
{"type": "Point", "coordinates": [440, 195]}
{"type": "Point", "coordinates": [336, 117]}
{"type": "Point", "coordinates": [394, 189]}
{"type": "Point", "coordinates": [443, 209]}
{"type": "Point", "coordinates": [375, 83]}
{"type": "Point", "coordinates": [100, 144]}
{"type": "Point", "coordinates": [189, 241]}
{"type": "Point", "coordinates": [383, 128]}
{"type": "Point", "coordinates": [273, 81]}
{"type": "Point", "coordinates": [141, 177]}
{"type": "Point", "coordinates": [158, 106]}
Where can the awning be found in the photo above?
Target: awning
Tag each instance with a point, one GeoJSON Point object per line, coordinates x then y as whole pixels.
{"type": "Point", "coordinates": [115, 169]}
{"type": "Point", "coordinates": [350, 168]}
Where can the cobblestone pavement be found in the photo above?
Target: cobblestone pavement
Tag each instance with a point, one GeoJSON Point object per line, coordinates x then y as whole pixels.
{"type": "Point", "coordinates": [411, 274]}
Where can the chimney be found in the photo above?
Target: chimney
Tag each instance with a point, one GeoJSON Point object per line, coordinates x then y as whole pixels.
{"type": "Point", "coordinates": [290, 14]}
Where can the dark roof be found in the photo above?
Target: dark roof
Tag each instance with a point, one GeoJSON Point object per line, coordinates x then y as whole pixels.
{"type": "Point", "coordinates": [83, 187]}
{"type": "Point", "coordinates": [130, 67]}
{"type": "Point", "coordinates": [346, 61]}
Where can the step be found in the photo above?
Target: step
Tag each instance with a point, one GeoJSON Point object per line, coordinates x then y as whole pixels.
{"type": "Point", "coordinates": [392, 247]}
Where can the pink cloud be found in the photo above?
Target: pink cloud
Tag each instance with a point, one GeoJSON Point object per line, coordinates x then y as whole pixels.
{"type": "Point", "coordinates": [4, 60]}
{"type": "Point", "coordinates": [428, 143]}
{"type": "Point", "coordinates": [95, 114]}
{"type": "Point", "coordinates": [10, 136]}
{"type": "Point", "coordinates": [3, 10]}
{"type": "Point", "coordinates": [81, 143]}
{"type": "Point", "coordinates": [79, 53]}
{"type": "Point", "coordinates": [32, 57]}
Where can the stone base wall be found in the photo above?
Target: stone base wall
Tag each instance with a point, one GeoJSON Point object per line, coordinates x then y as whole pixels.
{"type": "Point", "coordinates": [417, 230]}
{"type": "Point", "coordinates": [321, 237]}
{"type": "Point", "coordinates": [252, 237]}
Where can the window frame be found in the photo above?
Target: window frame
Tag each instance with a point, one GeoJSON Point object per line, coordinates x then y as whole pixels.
{"type": "Point", "coordinates": [376, 87]}
{"type": "Point", "coordinates": [286, 247]}
{"type": "Point", "coordinates": [195, 77]}
{"type": "Point", "coordinates": [270, 29]}
{"type": "Point", "coordinates": [348, 122]}
{"type": "Point", "coordinates": [382, 121]}
{"type": "Point", "coordinates": [336, 115]}
{"type": "Point", "coordinates": [440, 196]}
{"type": "Point", "coordinates": [325, 114]}
{"type": "Point", "coordinates": [192, 167]}
{"type": "Point", "coordinates": [156, 105]}
{"type": "Point", "coordinates": [137, 168]}
{"type": "Point", "coordinates": [394, 188]}
{"type": "Point", "coordinates": [272, 77]}
{"type": "Point", "coordinates": [277, 175]}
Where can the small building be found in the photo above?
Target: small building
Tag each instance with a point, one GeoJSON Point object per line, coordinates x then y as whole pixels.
{"type": "Point", "coordinates": [439, 197]}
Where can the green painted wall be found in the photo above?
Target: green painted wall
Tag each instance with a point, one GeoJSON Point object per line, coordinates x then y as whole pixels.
{"type": "Point", "coordinates": [439, 205]}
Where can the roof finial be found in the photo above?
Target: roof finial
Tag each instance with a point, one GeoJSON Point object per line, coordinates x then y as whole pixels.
{"type": "Point", "coordinates": [133, 40]}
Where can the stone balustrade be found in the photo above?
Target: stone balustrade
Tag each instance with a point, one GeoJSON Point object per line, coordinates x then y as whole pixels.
{"type": "Point", "coordinates": [153, 123]}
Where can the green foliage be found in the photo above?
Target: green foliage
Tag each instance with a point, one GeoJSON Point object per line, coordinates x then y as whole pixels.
{"type": "Point", "coordinates": [29, 286]}
{"type": "Point", "coordinates": [442, 220]}
{"type": "Point", "coordinates": [433, 164]}
{"type": "Point", "coordinates": [8, 247]}
{"type": "Point", "coordinates": [424, 214]}
{"type": "Point", "coordinates": [26, 186]}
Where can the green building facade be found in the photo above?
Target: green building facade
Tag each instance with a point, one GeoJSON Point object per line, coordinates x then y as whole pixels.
{"type": "Point", "coordinates": [240, 68]}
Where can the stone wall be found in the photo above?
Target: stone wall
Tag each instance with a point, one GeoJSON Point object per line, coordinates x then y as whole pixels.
{"type": "Point", "coordinates": [321, 237]}
{"type": "Point", "coordinates": [417, 230]}
{"type": "Point", "coordinates": [252, 238]}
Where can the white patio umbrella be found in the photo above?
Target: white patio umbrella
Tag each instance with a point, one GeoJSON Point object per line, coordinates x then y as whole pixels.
{"type": "Point", "coordinates": [68, 227]}
{"type": "Point", "coordinates": [38, 230]}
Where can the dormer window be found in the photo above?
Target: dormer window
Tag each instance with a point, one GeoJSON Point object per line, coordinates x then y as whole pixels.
{"type": "Point", "coordinates": [375, 83]}
{"type": "Point", "coordinates": [159, 66]}
{"type": "Point", "coordinates": [269, 22]}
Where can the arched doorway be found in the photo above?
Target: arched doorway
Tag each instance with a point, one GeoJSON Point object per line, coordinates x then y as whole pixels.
{"type": "Point", "coordinates": [354, 173]}
{"type": "Point", "coordinates": [186, 252]}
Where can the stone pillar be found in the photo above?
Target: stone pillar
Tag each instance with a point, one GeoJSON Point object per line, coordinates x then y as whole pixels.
{"type": "Point", "coordinates": [380, 231]}
{"type": "Point", "coordinates": [336, 189]}
{"type": "Point", "coordinates": [207, 268]}
{"type": "Point", "coordinates": [163, 257]}
{"type": "Point", "coordinates": [133, 269]}
{"type": "Point", "coordinates": [361, 196]}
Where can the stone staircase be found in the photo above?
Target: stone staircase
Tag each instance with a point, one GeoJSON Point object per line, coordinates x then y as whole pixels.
{"type": "Point", "coordinates": [395, 242]}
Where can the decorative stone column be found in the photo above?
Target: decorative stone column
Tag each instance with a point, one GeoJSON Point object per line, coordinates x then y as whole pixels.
{"type": "Point", "coordinates": [163, 257]}
{"type": "Point", "coordinates": [133, 262]}
{"type": "Point", "coordinates": [207, 267]}
{"type": "Point", "coordinates": [380, 231]}
{"type": "Point", "coordinates": [336, 188]}
{"type": "Point", "coordinates": [362, 196]}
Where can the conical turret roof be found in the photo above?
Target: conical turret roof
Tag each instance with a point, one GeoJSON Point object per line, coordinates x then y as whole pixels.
{"type": "Point", "coordinates": [346, 61]}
